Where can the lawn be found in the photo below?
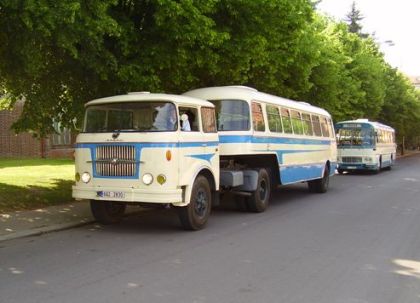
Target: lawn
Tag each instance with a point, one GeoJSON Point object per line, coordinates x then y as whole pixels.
{"type": "Point", "coordinates": [33, 183]}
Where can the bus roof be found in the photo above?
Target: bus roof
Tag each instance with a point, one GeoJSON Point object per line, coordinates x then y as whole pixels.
{"type": "Point", "coordinates": [366, 121]}
{"type": "Point", "coordinates": [249, 94]}
{"type": "Point", "coordinates": [146, 96]}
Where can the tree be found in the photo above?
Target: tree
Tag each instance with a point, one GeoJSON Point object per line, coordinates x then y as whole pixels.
{"type": "Point", "coordinates": [58, 55]}
{"type": "Point", "coordinates": [354, 17]}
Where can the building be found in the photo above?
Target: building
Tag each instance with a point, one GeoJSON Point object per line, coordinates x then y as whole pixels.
{"type": "Point", "coordinates": [415, 81]}
{"type": "Point", "coordinates": [24, 145]}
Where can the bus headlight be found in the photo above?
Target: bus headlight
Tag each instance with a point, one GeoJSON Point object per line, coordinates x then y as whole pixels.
{"type": "Point", "coordinates": [77, 177]}
{"type": "Point", "coordinates": [367, 159]}
{"type": "Point", "coordinates": [147, 179]}
{"type": "Point", "coordinates": [85, 177]}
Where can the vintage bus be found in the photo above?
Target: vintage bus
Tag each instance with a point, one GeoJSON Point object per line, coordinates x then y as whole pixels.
{"type": "Point", "coordinates": [153, 149]}
{"type": "Point", "coordinates": [365, 145]}
{"type": "Point", "coordinates": [135, 148]}
{"type": "Point", "coordinates": [267, 141]}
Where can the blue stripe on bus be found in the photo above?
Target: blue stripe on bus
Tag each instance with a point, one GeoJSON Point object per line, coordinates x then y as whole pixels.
{"type": "Point", "coordinates": [205, 157]}
{"type": "Point", "coordinates": [296, 173]}
{"type": "Point", "coordinates": [275, 140]}
{"type": "Point", "coordinates": [149, 144]}
{"type": "Point", "coordinates": [139, 147]}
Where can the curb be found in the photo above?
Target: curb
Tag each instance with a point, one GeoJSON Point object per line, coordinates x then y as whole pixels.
{"type": "Point", "coordinates": [36, 231]}
{"type": "Point", "coordinates": [408, 154]}
{"type": "Point", "coordinates": [43, 230]}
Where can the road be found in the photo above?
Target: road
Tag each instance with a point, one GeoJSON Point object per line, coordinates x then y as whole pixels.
{"type": "Point", "coordinates": [360, 242]}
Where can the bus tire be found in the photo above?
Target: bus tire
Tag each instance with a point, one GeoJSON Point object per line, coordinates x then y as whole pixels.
{"type": "Point", "coordinates": [260, 198]}
{"type": "Point", "coordinates": [379, 167]}
{"type": "Point", "coordinates": [194, 216]}
{"type": "Point", "coordinates": [389, 167]}
{"type": "Point", "coordinates": [340, 171]}
{"type": "Point", "coordinates": [320, 185]}
{"type": "Point", "coordinates": [107, 212]}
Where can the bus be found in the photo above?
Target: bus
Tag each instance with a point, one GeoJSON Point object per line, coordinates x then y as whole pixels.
{"type": "Point", "coordinates": [266, 141]}
{"type": "Point", "coordinates": [148, 149]}
{"type": "Point", "coordinates": [365, 145]}
{"type": "Point", "coordinates": [184, 151]}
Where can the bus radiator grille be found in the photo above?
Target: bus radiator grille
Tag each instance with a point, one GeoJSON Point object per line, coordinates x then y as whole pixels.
{"type": "Point", "coordinates": [115, 161]}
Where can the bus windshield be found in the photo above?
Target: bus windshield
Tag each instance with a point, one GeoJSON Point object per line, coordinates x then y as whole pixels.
{"type": "Point", "coordinates": [358, 137]}
{"type": "Point", "coordinates": [232, 115]}
{"type": "Point", "coordinates": [131, 117]}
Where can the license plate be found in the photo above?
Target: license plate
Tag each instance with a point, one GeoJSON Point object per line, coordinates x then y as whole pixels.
{"type": "Point", "coordinates": [111, 194]}
{"type": "Point", "coordinates": [351, 167]}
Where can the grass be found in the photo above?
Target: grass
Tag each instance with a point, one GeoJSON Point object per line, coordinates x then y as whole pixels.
{"type": "Point", "coordinates": [34, 183]}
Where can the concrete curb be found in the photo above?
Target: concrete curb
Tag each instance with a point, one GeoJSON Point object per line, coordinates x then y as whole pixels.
{"type": "Point", "coordinates": [21, 224]}
{"type": "Point", "coordinates": [42, 230]}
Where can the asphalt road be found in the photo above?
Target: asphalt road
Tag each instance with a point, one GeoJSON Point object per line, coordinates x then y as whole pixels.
{"type": "Point", "coordinates": [360, 242]}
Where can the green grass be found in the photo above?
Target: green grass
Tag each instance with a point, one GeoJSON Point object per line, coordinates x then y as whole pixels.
{"type": "Point", "coordinates": [34, 183]}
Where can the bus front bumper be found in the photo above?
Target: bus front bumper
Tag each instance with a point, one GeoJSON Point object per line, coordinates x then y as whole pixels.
{"type": "Point", "coordinates": [123, 194]}
{"type": "Point", "coordinates": [359, 166]}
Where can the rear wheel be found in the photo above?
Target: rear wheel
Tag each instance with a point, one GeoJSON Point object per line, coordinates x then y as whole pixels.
{"type": "Point", "coordinates": [107, 212]}
{"type": "Point", "coordinates": [194, 216]}
{"type": "Point", "coordinates": [389, 167]}
{"type": "Point", "coordinates": [258, 201]}
{"type": "Point", "coordinates": [320, 185]}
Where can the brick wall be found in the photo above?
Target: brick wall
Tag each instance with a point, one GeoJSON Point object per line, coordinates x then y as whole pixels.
{"type": "Point", "coordinates": [16, 145]}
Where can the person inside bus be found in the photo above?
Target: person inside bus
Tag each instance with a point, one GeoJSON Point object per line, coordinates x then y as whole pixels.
{"type": "Point", "coordinates": [185, 124]}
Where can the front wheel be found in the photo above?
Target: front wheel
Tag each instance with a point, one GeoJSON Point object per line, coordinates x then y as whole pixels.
{"type": "Point", "coordinates": [107, 212]}
{"type": "Point", "coordinates": [320, 185]}
{"type": "Point", "coordinates": [194, 216]}
{"type": "Point", "coordinates": [259, 199]}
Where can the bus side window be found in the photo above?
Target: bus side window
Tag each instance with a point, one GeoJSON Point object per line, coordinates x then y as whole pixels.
{"type": "Point", "coordinates": [307, 125]}
{"type": "Point", "coordinates": [208, 119]}
{"type": "Point", "coordinates": [274, 120]}
{"type": "Point", "coordinates": [316, 125]}
{"type": "Point", "coordinates": [257, 117]}
{"type": "Point", "coordinates": [192, 114]}
{"type": "Point", "coordinates": [331, 128]}
{"type": "Point", "coordinates": [324, 127]}
{"type": "Point", "coordinates": [297, 122]}
{"type": "Point", "coordinates": [287, 122]}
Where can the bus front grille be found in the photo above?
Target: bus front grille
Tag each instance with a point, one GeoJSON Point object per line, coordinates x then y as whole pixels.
{"type": "Point", "coordinates": [352, 159]}
{"type": "Point", "coordinates": [115, 161]}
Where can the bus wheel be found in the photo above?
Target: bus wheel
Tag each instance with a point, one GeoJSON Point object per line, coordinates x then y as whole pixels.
{"type": "Point", "coordinates": [194, 216]}
{"type": "Point", "coordinates": [320, 185]}
{"type": "Point", "coordinates": [340, 171]}
{"type": "Point", "coordinates": [258, 201]}
{"type": "Point", "coordinates": [107, 212]}
{"type": "Point", "coordinates": [389, 167]}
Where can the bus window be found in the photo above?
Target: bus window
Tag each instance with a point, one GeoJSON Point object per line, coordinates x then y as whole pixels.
{"type": "Point", "coordinates": [257, 117]}
{"type": "Point", "coordinates": [286, 120]}
{"type": "Point", "coordinates": [307, 125]}
{"type": "Point", "coordinates": [192, 114]}
{"type": "Point", "coordinates": [232, 115]}
{"type": "Point", "coordinates": [316, 126]}
{"type": "Point", "coordinates": [331, 128]}
{"type": "Point", "coordinates": [274, 120]}
{"type": "Point", "coordinates": [297, 122]}
{"type": "Point", "coordinates": [208, 120]}
{"type": "Point", "coordinates": [324, 127]}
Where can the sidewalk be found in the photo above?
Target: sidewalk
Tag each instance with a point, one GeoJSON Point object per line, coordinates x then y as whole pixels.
{"type": "Point", "coordinates": [34, 222]}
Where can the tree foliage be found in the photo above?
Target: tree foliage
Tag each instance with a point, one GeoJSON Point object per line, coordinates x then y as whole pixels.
{"type": "Point", "coordinates": [59, 54]}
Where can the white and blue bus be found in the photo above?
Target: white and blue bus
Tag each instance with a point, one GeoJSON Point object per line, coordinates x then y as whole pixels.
{"type": "Point", "coordinates": [267, 141]}
{"type": "Point", "coordinates": [156, 149]}
{"type": "Point", "coordinates": [365, 145]}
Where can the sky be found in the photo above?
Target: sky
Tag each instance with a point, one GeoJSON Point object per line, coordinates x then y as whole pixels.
{"type": "Point", "coordinates": [391, 20]}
